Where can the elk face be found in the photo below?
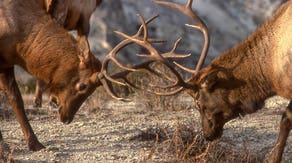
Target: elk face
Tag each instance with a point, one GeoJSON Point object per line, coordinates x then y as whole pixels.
{"type": "Point", "coordinates": [71, 98]}
{"type": "Point", "coordinates": [81, 83]}
{"type": "Point", "coordinates": [217, 101]}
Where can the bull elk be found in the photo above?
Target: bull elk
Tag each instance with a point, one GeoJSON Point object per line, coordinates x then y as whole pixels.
{"type": "Point", "coordinates": [33, 40]}
{"type": "Point", "coordinates": [238, 81]}
{"type": "Point", "coordinates": [72, 15]}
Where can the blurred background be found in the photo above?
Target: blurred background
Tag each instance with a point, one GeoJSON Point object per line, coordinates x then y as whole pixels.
{"type": "Point", "coordinates": [229, 21]}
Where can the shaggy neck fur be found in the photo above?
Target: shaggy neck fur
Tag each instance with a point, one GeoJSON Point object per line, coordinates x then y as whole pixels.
{"type": "Point", "coordinates": [251, 62]}
{"type": "Point", "coordinates": [49, 52]}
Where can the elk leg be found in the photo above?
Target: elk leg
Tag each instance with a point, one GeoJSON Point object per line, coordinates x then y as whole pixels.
{"type": "Point", "coordinates": [285, 127]}
{"type": "Point", "coordinates": [9, 86]}
{"type": "Point", "coordinates": [38, 94]}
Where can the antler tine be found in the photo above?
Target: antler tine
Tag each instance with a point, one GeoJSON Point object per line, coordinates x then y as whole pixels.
{"type": "Point", "coordinates": [188, 11]}
{"type": "Point", "coordinates": [169, 93]}
{"type": "Point", "coordinates": [109, 89]}
{"type": "Point", "coordinates": [155, 56]}
{"type": "Point", "coordinates": [172, 54]}
{"type": "Point", "coordinates": [143, 25]}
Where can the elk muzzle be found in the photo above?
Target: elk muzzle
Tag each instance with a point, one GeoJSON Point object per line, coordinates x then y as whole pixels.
{"type": "Point", "coordinates": [212, 128]}
{"type": "Point", "coordinates": [64, 118]}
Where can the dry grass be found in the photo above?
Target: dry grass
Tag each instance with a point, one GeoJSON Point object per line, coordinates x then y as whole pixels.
{"type": "Point", "coordinates": [185, 144]}
{"type": "Point", "coordinates": [6, 152]}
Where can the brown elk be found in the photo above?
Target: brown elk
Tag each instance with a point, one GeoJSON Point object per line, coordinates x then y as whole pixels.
{"type": "Point", "coordinates": [72, 15]}
{"type": "Point", "coordinates": [33, 40]}
{"type": "Point", "coordinates": [242, 78]}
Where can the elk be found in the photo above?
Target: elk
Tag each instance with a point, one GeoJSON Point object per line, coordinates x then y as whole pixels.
{"type": "Point", "coordinates": [34, 41]}
{"type": "Point", "coordinates": [239, 80]}
{"type": "Point", "coordinates": [72, 15]}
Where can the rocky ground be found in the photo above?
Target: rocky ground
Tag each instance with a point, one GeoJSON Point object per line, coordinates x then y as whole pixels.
{"type": "Point", "coordinates": [121, 132]}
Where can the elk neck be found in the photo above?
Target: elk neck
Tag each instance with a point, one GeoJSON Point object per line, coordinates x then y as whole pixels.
{"type": "Point", "coordinates": [49, 51]}
{"type": "Point", "coordinates": [250, 61]}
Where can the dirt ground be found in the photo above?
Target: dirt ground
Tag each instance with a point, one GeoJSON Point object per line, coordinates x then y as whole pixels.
{"type": "Point", "coordinates": [111, 133]}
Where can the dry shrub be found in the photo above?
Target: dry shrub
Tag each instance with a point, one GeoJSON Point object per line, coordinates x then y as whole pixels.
{"type": "Point", "coordinates": [6, 152]}
{"type": "Point", "coordinates": [184, 144]}
{"type": "Point", "coordinates": [5, 111]}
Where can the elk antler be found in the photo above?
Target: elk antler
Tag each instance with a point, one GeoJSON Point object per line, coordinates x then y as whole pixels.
{"type": "Point", "coordinates": [106, 79]}
{"type": "Point", "coordinates": [103, 75]}
{"type": "Point", "coordinates": [153, 56]}
{"type": "Point", "coordinates": [188, 11]}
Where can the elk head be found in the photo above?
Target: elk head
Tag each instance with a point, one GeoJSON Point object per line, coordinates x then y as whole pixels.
{"type": "Point", "coordinates": [78, 83]}
{"type": "Point", "coordinates": [214, 95]}
{"type": "Point", "coordinates": [214, 110]}
{"type": "Point", "coordinates": [212, 87]}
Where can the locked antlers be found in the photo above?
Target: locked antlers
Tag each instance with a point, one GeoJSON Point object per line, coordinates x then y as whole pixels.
{"type": "Point", "coordinates": [142, 39]}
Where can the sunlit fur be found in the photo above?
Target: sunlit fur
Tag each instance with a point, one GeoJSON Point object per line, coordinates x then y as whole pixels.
{"type": "Point", "coordinates": [72, 15]}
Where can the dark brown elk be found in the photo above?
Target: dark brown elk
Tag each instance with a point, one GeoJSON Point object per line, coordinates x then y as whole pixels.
{"type": "Point", "coordinates": [72, 15]}
{"type": "Point", "coordinates": [238, 81]}
{"type": "Point", "coordinates": [34, 41]}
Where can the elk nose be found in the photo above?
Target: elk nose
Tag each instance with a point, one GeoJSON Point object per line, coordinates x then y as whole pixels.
{"type": "Point", "coordinates": [67, 121]}
{"type": "Point", "coordinates": [64, 118]}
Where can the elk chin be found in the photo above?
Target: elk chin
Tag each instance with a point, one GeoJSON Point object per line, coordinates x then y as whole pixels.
{"type": "Point", "coordinates": [63, 117]}
{"type": "Point", "coordinates": [212, 130]}
{"type": "Point", "coordinates": [214, 134]}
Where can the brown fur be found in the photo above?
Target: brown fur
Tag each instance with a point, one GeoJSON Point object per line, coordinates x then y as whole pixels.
{"type": "Point", "coordinates": [31, 39]}
{"type": "Point", "coordinates": [242, 78]}
{"type": "Point", "coordinates": [72, 15]}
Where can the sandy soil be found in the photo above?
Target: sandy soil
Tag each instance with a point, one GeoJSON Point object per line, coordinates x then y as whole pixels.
{"type": "Point", "coordinates": [111, 133]}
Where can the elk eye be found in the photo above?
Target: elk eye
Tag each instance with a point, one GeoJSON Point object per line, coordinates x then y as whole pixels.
{"type": "Point", "coordinates": [81, 86]}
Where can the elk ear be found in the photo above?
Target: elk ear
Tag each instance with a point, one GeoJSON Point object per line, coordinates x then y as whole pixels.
{"type": "Point", "coordinates": [208, 81]}
{"type": "Point", "coordinates": [84, 50]}
{"type": "Point", "coordinates": [49, 5]}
